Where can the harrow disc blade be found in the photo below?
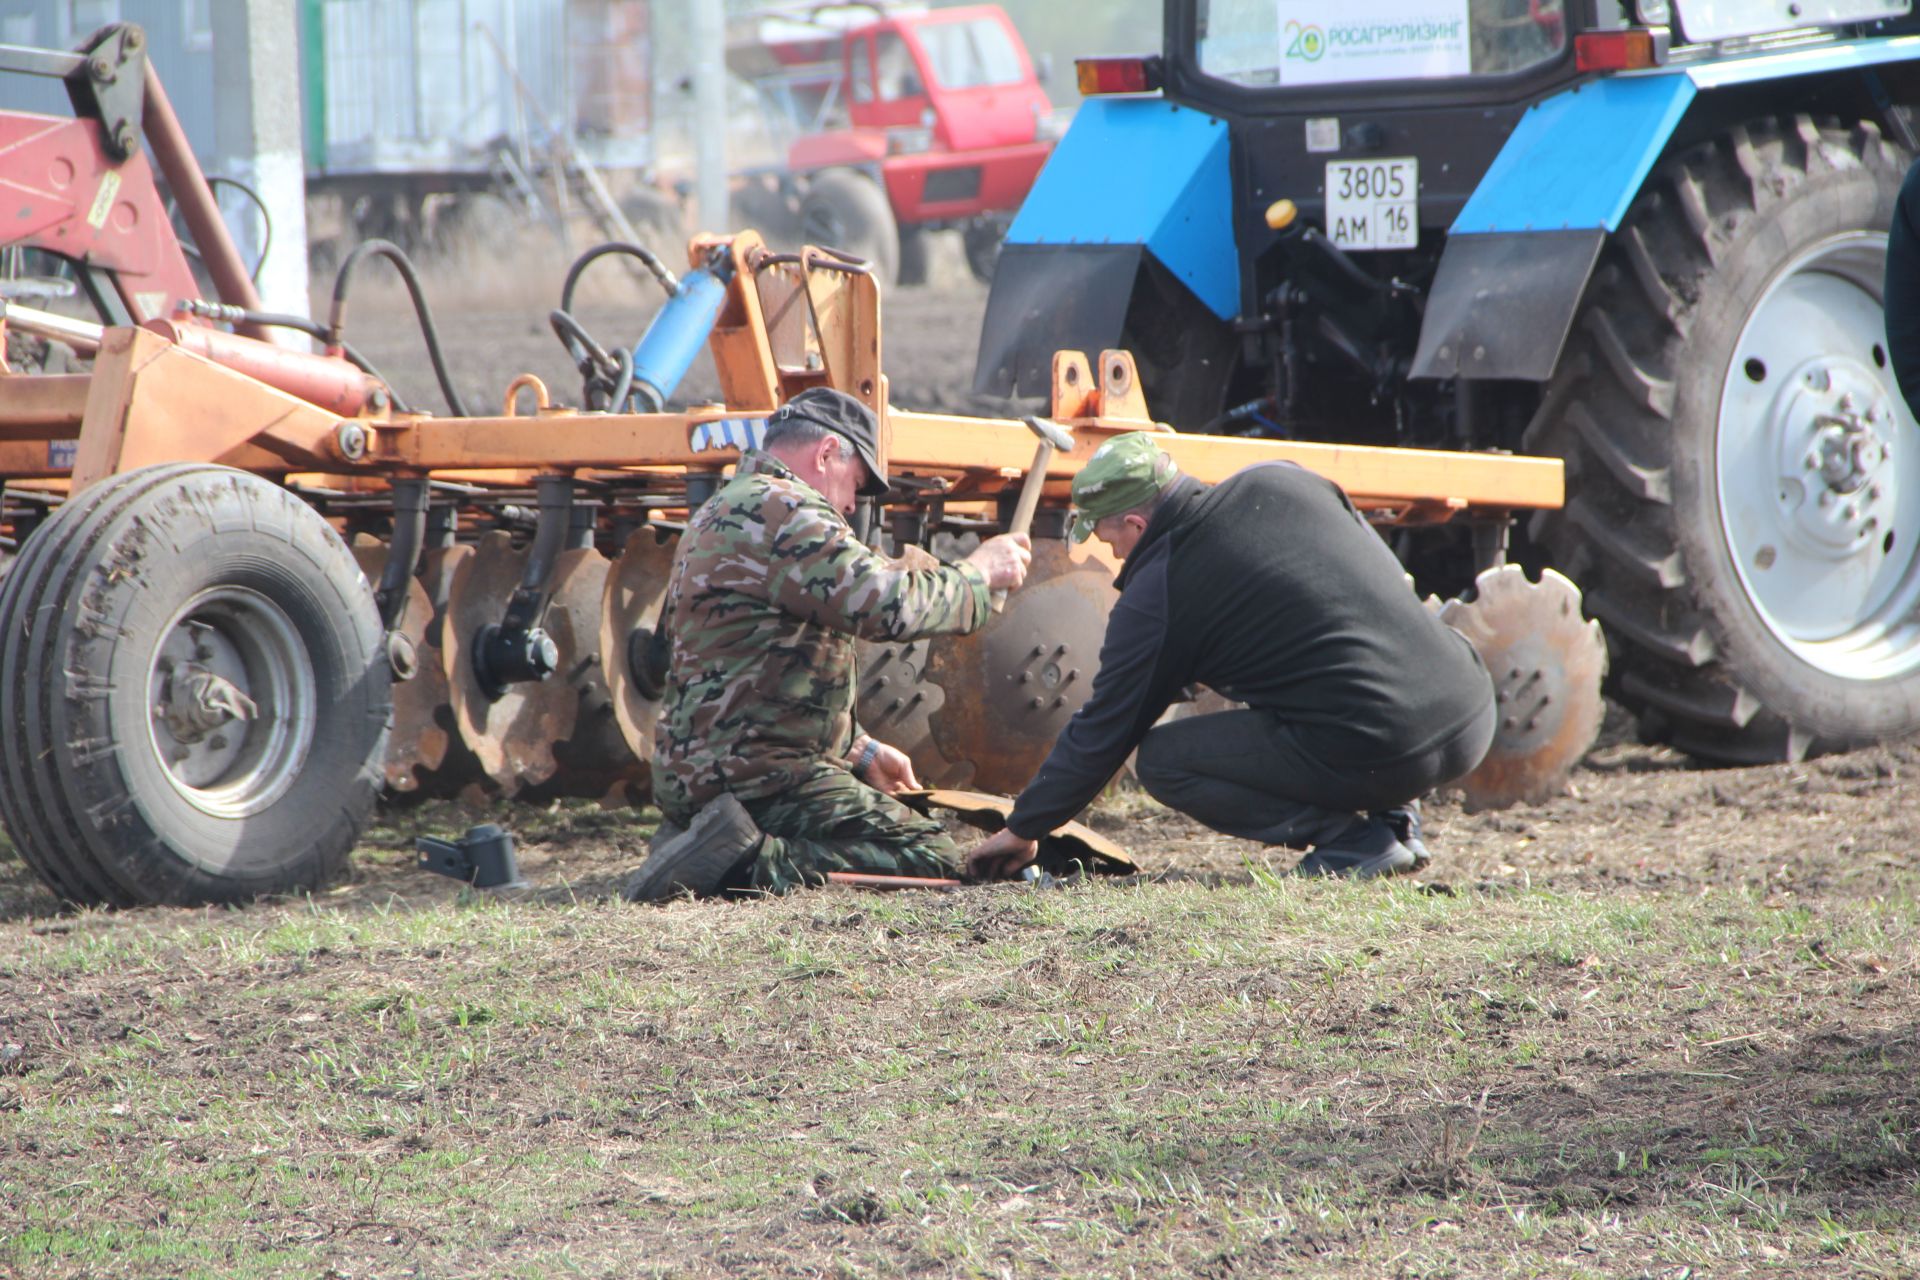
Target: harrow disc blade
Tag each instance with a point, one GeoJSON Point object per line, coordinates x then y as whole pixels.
{"type": "Point", "coordinates": [1012, 686]}
{"type": "Point", "coordinates": [523, 738]}
{"type": "Point", "coordinates": [460, 774]}
{"type": "Point", "coordinates": [418, 744]}
{"type": "Point", "coordinates": [1547, 663]}
{"type": "Point", "coordinates": [897, 703]}
{"type": "Point", "coordinates": [636, 589]}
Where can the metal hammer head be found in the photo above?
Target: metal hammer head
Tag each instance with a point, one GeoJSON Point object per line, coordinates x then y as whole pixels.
{"type": "Point", "coordinates": [1052, 432]}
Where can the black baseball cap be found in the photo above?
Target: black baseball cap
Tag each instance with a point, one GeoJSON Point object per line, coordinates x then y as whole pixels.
{"type": "Point", "coordinates": [847, 418]}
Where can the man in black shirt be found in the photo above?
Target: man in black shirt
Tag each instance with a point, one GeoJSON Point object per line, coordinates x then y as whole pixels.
{"type": "Point", "coordinates": [1271, 589]}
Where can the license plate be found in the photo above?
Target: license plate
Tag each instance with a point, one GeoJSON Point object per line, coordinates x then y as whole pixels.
{"type": "Point", "coordinates": [1374, 204]}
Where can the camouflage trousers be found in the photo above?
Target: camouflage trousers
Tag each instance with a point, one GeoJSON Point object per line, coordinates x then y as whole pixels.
{"type": "Point", "coordinates": [831, 821]}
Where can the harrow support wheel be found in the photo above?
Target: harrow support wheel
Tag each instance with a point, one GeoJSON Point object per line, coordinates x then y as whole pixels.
{"type": "Point", "coordinates": [195, 692]}
{"type": "Point", "coordinates": [630, 613]}
{"type": "Point", "coordinates": [556, 736]}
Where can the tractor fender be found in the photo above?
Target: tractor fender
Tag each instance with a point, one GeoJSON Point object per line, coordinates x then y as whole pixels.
{"type": "Point", "coordinates": [1136, 199]}
{"type": "Point", "coordinates": [1517, 257]}
{"type": "Point", "coordinates": [1148, 172]}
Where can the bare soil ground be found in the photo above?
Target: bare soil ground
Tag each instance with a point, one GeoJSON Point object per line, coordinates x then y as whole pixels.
{"type": "Point", "coordinates": [1662, 1026]}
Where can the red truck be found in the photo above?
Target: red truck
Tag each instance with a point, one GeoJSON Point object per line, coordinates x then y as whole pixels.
{"type": "Point", "coordinates": [894, 122]}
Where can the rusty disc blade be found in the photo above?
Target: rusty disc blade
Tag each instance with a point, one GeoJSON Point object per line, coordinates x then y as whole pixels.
{"type": "Point", "coordinates": [897, 703]}
{"type": "Point", "coordinates": [1011, 687]}
{"type": "Point", "coordinates": [522, 737]}
{"type": "Point", "coordinates": [1547, 662]}
{"type": "Point", "coordinates": [418, 743]}
{"type": "Point", "coordinates": [459, 775]}
{"type": "Point", "coordinates": [594, 758]}
{"type": "Point", "coordinates": [636, 589]}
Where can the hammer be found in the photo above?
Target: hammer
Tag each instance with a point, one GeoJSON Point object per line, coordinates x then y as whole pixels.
{"type": "Point", "coordinates": [1051, 436]}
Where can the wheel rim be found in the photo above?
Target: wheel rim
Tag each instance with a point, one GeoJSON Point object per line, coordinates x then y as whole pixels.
{"type": "Point", "coordinates": [232, 701]}
{"type": "Point", "coordinates": [1819, 479]}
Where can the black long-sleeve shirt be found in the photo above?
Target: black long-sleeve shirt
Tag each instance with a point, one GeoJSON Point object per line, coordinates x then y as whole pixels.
{"type": "Point", "coordinates": [1269, 588]}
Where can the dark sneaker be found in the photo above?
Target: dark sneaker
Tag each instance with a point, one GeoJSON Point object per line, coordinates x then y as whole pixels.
{"type": "Point", "coordinates": [1365, 849]}
{"type": "Point", "coordinates": [1405, 822]}
{"type": "Point", "coordinates": [697, 859]}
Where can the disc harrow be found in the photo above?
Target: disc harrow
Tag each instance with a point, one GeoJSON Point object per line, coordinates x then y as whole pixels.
{"type": "Point", "coordinates": [510, 599]}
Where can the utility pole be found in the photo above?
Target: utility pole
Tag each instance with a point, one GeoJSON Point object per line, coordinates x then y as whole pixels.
{"type": "Point", "coordinates": [256, 140]}
{"type": "Point", "coordinates": [708, 27]}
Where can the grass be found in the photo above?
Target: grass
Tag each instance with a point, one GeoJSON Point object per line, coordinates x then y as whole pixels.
{"type": "Point", "coordinates": [1170, 1079]}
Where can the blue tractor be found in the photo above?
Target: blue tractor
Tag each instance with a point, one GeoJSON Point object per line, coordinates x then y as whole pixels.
{"type": "Point", "coordinates": [1647, 236]}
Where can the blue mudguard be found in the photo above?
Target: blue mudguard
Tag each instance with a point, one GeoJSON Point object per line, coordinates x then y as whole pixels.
{"type": "Point", "coordinates": [1577, 159]}
{"type": "Point", "coordinates": [1142, 171]}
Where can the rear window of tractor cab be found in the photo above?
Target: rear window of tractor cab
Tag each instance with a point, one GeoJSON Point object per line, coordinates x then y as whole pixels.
{"type": "Point", "coordinates": [1284, 43]}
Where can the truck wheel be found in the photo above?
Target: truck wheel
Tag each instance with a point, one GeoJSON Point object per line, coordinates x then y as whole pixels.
{"type": "Point", "coordinates": [848, 211]}
{"type": "Point", "coordinates": [915, 256]}
{"type": "Point", "coordinates": [195, 696]}
{"type": "Point", "coordinates": [982, 239]}
{"type": "Point", "coordinates": [1739, 513]}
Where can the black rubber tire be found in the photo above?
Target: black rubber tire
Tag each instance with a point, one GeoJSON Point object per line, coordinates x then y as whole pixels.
{"type": "Point", "coordinates": [982, 240]}
{"type": "Point", "coordinates": [762, 204]}
{"type": "Point", "coordinates": [915, 256]}
{"type": "Point", "coordinates": [84, 791]}
{"type": "Point", "coordinates": [847, 210]}
{"type": "Point", "coordinates": [1635, 411]}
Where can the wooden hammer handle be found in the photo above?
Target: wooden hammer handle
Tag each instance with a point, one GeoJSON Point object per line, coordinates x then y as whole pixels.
{"type": "Point", "coordinates": [1029, 500]}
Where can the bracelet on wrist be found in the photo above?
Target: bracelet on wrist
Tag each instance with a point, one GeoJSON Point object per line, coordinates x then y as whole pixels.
{"type": "Point", "coordinates": [865, 762]}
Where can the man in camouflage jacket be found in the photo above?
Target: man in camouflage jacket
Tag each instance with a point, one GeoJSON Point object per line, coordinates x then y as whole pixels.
{"type": "Point", "coordinates": [769, 591]}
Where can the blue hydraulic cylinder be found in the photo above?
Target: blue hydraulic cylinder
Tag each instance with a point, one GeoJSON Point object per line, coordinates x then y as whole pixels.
{"type": "Point", "coordinates": [672, 342]}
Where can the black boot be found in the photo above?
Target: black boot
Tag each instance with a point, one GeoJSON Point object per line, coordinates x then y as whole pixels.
{"type": "Point", "coordinates": [1365, 848]}
{"type": "Point", "coordinates": [696, 860]}
{"type": "Point", "coordinates": [1405, 821]}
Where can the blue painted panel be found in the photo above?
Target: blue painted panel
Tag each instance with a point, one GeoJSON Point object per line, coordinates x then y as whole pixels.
{"type": "Point", "coordinates": [1577, 159]}
{"type": "Point", "coordinates": [1143, 171]}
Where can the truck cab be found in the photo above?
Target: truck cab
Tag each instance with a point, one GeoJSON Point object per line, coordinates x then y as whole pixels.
{"type": "Point", "coordinates": [900, 122]}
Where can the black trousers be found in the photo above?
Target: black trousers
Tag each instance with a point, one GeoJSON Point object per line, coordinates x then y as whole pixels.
{"type": "Point", "coordinates": [1251, 774]}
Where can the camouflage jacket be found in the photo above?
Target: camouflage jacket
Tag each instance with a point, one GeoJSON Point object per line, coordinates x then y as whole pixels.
{"type": "Point", "coordinates": [769, 591]}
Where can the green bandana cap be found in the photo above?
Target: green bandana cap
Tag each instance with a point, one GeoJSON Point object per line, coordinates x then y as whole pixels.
{"type": "Point", "coordinates": [1123, 473]}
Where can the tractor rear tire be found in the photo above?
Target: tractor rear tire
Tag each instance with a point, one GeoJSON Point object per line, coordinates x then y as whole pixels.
{"type": "Point", "coordinates": [1751, 549]}
{"type": "Point", "coordinates": [195, 695]}
{"type": "Point", "coordinates": [848, 211]}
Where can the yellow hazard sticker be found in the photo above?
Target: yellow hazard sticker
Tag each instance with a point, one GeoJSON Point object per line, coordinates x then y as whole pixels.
{"type": "Point", "coordinates": [103, 199]}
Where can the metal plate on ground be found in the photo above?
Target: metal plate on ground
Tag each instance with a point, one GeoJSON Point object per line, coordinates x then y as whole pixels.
{"type": "Point", "coordinates": [1074, 842]}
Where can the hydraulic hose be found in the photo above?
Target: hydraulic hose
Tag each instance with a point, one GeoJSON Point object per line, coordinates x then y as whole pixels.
{"type": "Point", "coordinates": [337, 317]}
{"type": "Point", "coordinates": [648, 258]}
